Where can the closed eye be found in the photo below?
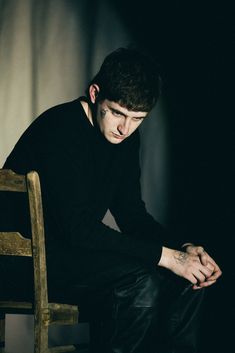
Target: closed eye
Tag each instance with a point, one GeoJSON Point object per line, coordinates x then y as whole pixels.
{"type": "Point", "coordinates": [120, 114]}
{"type": "Point", "coordinates": [138, 118]}
{"type": "Point", "coordinates": [117, 113]}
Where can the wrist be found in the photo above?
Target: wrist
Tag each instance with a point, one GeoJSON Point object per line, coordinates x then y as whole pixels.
{"type": "Point", "coordinates": [166, 256]}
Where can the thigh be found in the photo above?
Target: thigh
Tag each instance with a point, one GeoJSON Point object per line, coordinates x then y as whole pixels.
{"type": "Point", "coordinates": [92, 281]}
{"type": "Point", "coordinates": [85, 277]}
{"type": "Point", "coordinates": [93, 269]}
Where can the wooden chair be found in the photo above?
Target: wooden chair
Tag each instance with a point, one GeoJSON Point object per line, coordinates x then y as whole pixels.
{"type": "Point", "coordinates": [13, 243]}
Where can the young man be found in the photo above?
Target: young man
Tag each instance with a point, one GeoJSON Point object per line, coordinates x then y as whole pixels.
{"type": "Point", "coordinates": [141, 294]}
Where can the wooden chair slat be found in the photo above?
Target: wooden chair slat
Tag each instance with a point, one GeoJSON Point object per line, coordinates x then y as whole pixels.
{"type": "Point", "coordinates": [9, 181]}
{"type": "Point", "coordinates": [15, 305]}
{"type": "Point", "coordinates": [13, 243]}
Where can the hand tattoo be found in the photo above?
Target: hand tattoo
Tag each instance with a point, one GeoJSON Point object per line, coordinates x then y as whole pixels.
{"type": "Point", "coordinates": [180, 257]}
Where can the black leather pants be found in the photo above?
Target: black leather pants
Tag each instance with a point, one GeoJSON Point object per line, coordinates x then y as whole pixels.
{"type": "Point", "coordinates": [131, 309]}
{"type": "Point", "coordinates": [134, 310]}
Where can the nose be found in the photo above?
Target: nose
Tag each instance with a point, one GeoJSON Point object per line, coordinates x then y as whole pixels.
{"type": "Point", "coordinates": [124, 126]}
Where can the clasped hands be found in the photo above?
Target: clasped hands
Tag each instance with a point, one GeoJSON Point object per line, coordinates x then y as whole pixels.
{"type": "Point", "coordinates": [210, 272]}
{"type": "Point", "coordinates": [192, 263]}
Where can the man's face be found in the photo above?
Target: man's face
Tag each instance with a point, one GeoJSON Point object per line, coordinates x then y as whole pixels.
{"type": "Point", "coordinates": [116, 122]}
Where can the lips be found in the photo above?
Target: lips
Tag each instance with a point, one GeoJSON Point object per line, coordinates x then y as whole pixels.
{"type": "Point", "coordinates": [118, 136]}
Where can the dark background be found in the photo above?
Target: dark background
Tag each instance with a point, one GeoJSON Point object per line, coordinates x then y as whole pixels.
{"type": "Point", "coordinates": [192, 42]}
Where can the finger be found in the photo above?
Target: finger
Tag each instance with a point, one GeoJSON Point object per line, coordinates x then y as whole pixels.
{"type": "Point", "coordinates": [191, 249]}
{"type": "Point", "coordinates": [210, 267]}
{"type": "Point", "coordinates": [216, 274]}
{"type": "Point", "coordinates": [206, 271]}
{"type": "Point", "coordinates": [196, 287]}
{"type": "Point", "coordinates": [200, 250]}
{"type": "Point", "coordinates": [199, 276]}
{"type": "Point", "coordinates": [204, 258]}
{"type": "Point", "coordinates": [212, 261]}
{"type": "Point", "coordinates": [217, 271]}
{"type": "Point", "coordinates": [192, 279]}
{"type": "Point", "coordinates": [195, 250]}
{"type": "Point", "coordinates": [206, 284]}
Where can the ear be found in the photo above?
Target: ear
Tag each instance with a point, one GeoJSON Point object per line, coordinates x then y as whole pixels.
{"type": "Point", "coordinates": [93, 92]}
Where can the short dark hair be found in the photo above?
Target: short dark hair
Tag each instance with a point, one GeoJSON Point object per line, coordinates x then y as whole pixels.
{"type": "Point", "coordinates": [130, 78]}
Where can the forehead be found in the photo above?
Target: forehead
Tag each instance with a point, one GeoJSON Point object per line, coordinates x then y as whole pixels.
{"type": "Point", "coordinates": [123, 110]}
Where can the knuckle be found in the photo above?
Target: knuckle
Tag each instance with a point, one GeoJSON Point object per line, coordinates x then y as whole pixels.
{"type": "Point", "coordinates": [209, 272]}
{"type": "Point", "coordinates": [188, 271]}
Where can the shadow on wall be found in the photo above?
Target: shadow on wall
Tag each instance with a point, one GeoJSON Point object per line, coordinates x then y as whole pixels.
{"type": "Point", "coordinates": [154, 161]}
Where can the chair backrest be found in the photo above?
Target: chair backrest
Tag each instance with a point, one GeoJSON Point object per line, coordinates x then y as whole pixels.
{"type": "Point", "coordinates": [15, 244]}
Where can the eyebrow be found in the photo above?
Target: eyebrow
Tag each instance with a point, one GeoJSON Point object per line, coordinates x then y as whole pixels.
{"type": "Point", "coordinates": [125, 115]}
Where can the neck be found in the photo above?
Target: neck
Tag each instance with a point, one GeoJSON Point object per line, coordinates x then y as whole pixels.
{"type": "Point", "coordinates": [87, 111]}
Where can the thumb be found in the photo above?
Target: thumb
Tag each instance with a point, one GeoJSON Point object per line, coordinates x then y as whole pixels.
{"type": "Point", "coordinates": [203, 256]}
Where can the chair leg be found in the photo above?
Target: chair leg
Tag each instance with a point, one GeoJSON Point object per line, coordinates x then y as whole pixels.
{"type": "Point", "coordinates": [2, 332]}
{"type": "Point", "coordinates": [40, 337]}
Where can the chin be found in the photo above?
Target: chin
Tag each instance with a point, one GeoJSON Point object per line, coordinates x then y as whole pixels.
{"type": "Point", "coordinates": [113, 139]}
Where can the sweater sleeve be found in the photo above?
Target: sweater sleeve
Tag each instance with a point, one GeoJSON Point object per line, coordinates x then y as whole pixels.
{"type": "Point", "coordinates": [129, 209]}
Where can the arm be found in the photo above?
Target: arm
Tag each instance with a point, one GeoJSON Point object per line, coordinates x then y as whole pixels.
{"type": "Point", "coordinates": [129, 209]}
{"type": "Point", "coordinates": [132, 217]}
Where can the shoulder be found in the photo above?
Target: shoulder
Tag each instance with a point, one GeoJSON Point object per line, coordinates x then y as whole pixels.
{"type": "Point", "coordinates": [56, 129]}
{"type": "Point", "coordinates": [59, 114]}
{"type": "Point", "coordinates": [62, 120]}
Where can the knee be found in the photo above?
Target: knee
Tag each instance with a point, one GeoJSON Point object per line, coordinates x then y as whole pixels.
{"type": "Point", "coordinates": [148, 288]}
{"type": "Point", "coordinates": [141, 290]}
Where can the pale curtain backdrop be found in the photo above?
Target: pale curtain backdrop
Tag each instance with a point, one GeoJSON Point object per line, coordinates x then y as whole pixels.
{"type": "Point", "coordinates": [49, 50]}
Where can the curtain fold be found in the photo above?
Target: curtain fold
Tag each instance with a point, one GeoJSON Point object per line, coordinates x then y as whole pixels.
{"type": "Point", "coordinates": [49, 50]}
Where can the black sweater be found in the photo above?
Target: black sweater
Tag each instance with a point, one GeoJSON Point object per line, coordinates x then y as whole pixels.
{"type": "Point", "coordinates": [82, 175]}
